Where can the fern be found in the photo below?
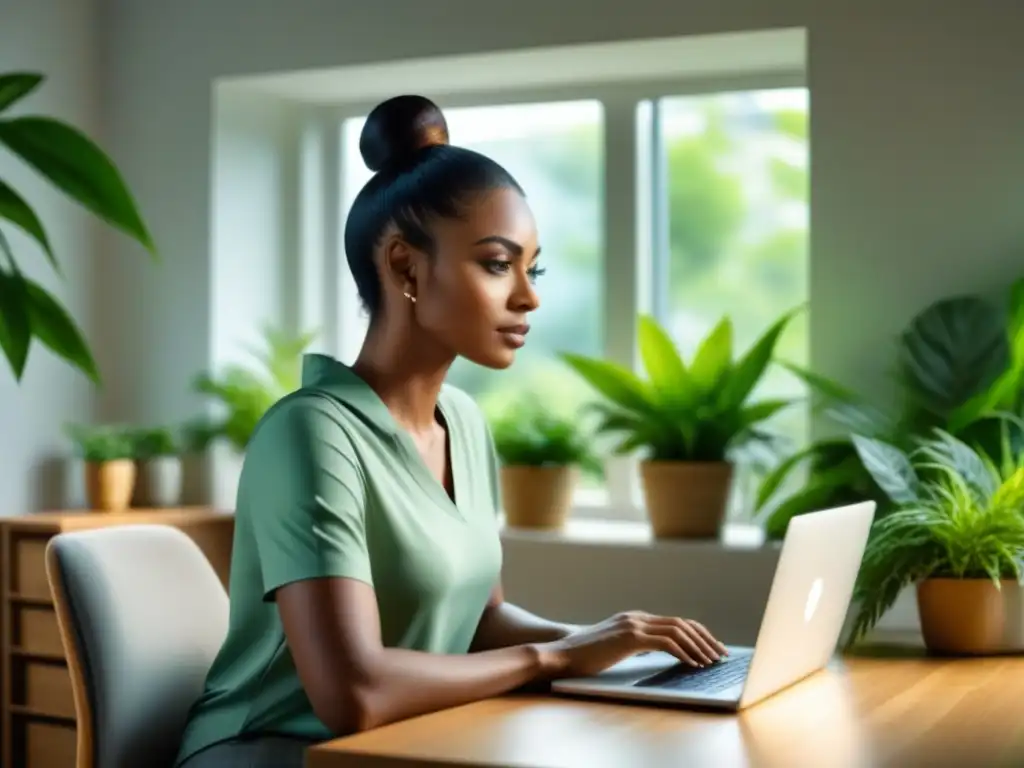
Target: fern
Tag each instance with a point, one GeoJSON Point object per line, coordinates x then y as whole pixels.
{"type": "Point", "coordinates": [967, 523]}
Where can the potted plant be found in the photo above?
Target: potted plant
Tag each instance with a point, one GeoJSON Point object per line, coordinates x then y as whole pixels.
{"type": "Point", "coordinates": [108, 453]}
{"type": "Point", "coordinates": [159, 469]}
{"type": "Point", "coordinates": [691, 420]}
{"type": "Point", "coordinates": [960, 366]}
{"type": "Point", "coordinates": [541, 455]}
{"type": "Point", "coordinates": [74, 165]}
{"type": "Point", "coordinates": [244, 393]}
{"type": "Point", "coordinates": [957, 535]}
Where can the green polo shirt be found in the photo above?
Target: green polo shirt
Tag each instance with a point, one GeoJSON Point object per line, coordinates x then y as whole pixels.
{"type": "Point", "coordinates": [333, 487]}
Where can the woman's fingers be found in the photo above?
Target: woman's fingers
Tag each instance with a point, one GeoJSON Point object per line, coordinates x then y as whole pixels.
{"type": "Point", "coordinates": [693, 644]}
{"type": "Point", "coordinates": [664, 642]}
{"type": "Point", "coordinates": [709, 637]}
{"type": "Point", "coordinates": [709, 640]}
{"type": "Point", "coordinates": [687, 641]}
{"type": "Point", "coordinates": [710, 647]}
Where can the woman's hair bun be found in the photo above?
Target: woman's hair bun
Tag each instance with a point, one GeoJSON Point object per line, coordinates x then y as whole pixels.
{"type": "Point", "coordinates": [398, 128]}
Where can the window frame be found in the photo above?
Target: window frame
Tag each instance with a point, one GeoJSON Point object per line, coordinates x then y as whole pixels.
{"type": "Point", "coordinates": [328, 298]}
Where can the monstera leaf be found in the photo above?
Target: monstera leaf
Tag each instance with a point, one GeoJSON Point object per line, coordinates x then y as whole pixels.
{"type": "Point", "coordinates": [954, 350]}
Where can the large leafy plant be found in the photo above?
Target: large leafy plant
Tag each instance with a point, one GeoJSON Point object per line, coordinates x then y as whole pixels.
{"type": "Point", "coordinates": [701, 411]}
{"type": "Point", "coordinates": [246, 393]}
{"type": "Point", "coordinates": [70, 161]}
{"type": "Point", "coordinates": [959, 514]}
{"type": "Point", "coordinates": [960, 368]}
{"type": "Point", "coordinates": [528, 434]}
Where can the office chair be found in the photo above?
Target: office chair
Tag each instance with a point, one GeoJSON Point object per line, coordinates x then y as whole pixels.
{"type": "Point", "coordinates": [141, 615]}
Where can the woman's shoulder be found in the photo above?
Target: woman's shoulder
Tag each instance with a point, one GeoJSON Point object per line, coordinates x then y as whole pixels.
{"type": "Point", "coordinates": [302, 415]}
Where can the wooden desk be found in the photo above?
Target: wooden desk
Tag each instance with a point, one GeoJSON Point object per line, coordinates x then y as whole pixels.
{"type": "Point", "coordinates": [862, 711]}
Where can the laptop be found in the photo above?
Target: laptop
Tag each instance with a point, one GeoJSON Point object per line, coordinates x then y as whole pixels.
{"type": "Point", "coordinates": [800, 628]}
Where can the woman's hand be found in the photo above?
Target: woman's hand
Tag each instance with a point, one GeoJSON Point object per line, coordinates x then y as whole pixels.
{"type": "Point", "coordinates": [594, 649]}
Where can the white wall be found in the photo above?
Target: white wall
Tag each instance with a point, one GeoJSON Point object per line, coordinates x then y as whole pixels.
{"type": "Point", "coordinates": [917, 168]}
{"type": "Point", "coordinates": [57, 38]}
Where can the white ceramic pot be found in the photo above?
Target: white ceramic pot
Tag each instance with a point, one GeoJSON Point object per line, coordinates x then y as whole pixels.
{"type": "Point", "coordinates": [162, 481]}
{"type": "Point", "coordinates": [227, 470]}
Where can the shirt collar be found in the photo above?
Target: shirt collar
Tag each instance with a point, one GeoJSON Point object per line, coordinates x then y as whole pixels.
{"type": "Point", "coordinates": [331, 376]}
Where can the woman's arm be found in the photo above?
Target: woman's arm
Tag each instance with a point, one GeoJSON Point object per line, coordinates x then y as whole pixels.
{"type": "Point", "coordinates": [504, 624]}
{"type": "Point", "coordinates": [354, 683]}
{"type": "Point", "coordinates": [332, 628]}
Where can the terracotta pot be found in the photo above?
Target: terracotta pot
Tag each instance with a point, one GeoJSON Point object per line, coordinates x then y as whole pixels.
{"type": "Point", "coordinates": [537, 497]}
{"type": "Point", "coordinates": [970, 616]}
{"type": "Point", "coordinates": [686, 500]}
{"type": "Point", "coordinates": [109, 484]}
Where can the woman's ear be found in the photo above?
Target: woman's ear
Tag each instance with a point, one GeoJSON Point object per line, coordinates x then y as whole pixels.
{"type": "Point", "coordinates": [399, 264]}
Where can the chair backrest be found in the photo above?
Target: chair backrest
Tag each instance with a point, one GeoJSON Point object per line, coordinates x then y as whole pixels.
{"type": "Point", "coordinates": [142, 615]}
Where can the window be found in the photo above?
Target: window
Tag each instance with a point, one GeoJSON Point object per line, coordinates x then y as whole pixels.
{"type": "Point", "coordinates": [719, 218]}
{"type": "Point", "coordinates": [730, 229]}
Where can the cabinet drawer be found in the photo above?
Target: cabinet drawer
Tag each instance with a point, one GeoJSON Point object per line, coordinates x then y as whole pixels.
{"type": "Point", "coordinates": [46, 745]}
{"type": "Point", "coordinates": [34, 630]}
{"type": "Point", "coordinates": [28, 569]}
{"type": "Point", "coordinates": [46, 689]}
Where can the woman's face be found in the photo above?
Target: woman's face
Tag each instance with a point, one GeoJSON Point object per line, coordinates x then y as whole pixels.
{"type": "Point", "coordinates": [476, 294]}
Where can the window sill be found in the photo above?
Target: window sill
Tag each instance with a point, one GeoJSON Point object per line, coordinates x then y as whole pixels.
{"type": "Point", "coordinates": [637, 534]}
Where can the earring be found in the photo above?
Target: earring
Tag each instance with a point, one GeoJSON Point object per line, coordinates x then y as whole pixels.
{"type": "Point", "coordinates": [410, 297]}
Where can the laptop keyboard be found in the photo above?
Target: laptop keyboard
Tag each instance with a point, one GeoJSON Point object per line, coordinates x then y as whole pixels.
{"type": "Point", "coordinates": [718, 677]}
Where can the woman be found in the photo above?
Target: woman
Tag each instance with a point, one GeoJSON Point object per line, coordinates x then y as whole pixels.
{"type": "Point", "coordinates": [365, 582]}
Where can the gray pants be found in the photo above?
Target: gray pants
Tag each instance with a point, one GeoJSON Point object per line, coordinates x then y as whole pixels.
{"type": "Point", "coordinates": [260, 752]}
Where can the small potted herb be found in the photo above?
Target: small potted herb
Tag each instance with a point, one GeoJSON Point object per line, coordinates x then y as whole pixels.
{"type": "Point", "coordinates": [541, 454]}
{"type": "Point", "coordinates": [158, 459]}
{"type": "Point", "coordinates": [108, 453]}
{"type": "Point", "coordinates": [957, 535]}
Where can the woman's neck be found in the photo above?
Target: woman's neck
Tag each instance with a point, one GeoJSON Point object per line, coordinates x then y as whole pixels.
{"type": "Point", "coordinates": [406, 375]}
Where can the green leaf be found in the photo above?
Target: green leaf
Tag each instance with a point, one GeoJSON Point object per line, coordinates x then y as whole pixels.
{"type": "Point", "coordinates": [713, 357]}
{"type": "Point", "coordinates": [751, 367]}
{"type": "Point", "coordinates": [72, 162]}
{"type": "Point", "coordinates": [842, 405]}
{"type": "Point", "coordinates": [774, 479]}
{"type": "Point", "coordinates": [817, 494]}
{"type": "Point", "coordinates": [890, 468]}
{"type": "Point", "coordinates": [1015, 325]}
{"type": "Point", "coordinates": [953, 351]}
{"type": "Point", "coordinates": [14, 208]}
{"type": "Point", "coordinates": [1000, 394]}
{"type": "Point", "coordinates": [16, 85]}
{"type": "Point", "coordinates": [956, 456]}
{"type": "Point", "coordinates": [757, 412]}
{"type": "Point", "coordinates": [663, 363]}
{"type": "Point", "coordinates": [822, 386]}
{"type": "Point", "coordinates": [53, 326]}
{"type": "Point", "coordinates": [15, 323]}
{"type": "Point", "coordinates": [618, 384]}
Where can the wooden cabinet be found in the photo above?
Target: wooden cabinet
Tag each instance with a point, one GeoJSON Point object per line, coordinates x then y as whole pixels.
{"type": "Point", "coordinates": [37, 712]}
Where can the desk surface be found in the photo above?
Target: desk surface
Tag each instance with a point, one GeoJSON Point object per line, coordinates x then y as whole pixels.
{"type": "Point", "coordinates": [862, 711]}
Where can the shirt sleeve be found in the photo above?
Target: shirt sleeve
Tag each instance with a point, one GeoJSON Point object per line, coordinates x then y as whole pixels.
{"type": "Point", "coordinates": [305, 495]}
